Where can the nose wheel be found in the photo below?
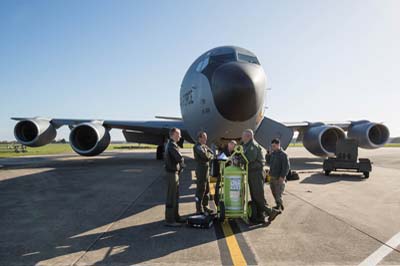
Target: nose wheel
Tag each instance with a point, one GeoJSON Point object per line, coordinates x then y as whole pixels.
{"type": "Point", "coordinates": [160, 152]}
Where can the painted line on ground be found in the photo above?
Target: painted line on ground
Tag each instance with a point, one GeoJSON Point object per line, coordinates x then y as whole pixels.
{"type": "Point", "coordinates": [233, 245]}
{"type": "Point", "coordinates": [382, 251]}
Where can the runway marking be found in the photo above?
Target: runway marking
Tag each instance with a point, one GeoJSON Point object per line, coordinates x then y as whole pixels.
{"type": "Point", "coordinates": [382, 251]}
{"type": "Point", "coordinates": [233, 246]}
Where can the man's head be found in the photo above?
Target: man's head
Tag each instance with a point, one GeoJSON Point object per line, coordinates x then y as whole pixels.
{"type": "Point", "coordinates": [175, 134]}
{"type": "Point", "coordinates": [276, 144]}
{"type": "Point", "coordinates": [202, 137]}
{"type": "Point", "coordinates": [247, 135]}
{"type": "Point", "coordinates": [231, 145]}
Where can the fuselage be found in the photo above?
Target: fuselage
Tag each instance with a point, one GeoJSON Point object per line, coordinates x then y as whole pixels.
{"type": "Point", "coordinates": [222, 93]}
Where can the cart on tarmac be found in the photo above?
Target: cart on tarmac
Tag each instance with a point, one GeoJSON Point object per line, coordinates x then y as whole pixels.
{"type": "Point", "coordinates": [346, 158]}
{"type": "Point", "coordinates": [234, 188]}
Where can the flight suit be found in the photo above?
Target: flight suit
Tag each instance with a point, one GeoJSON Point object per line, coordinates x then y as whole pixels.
{"type": "Point", "coordinates": [253, 153]}
{"type": "Point", "coordinates": [202, 156]}
{"type": "Point", "coordinates": [174, 164]}
{"type": "Point", "coordinates": [279, 166]}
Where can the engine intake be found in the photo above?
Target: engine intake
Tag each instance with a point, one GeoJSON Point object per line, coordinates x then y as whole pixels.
{"type": "Point", "coordinates": [35, 132]}
{"type": "Point", "coordinates": [320, 139]}
{"type": "Point", "coordinates": [89, 139]}
{"type": "Point", "coordinates": [369, 135]}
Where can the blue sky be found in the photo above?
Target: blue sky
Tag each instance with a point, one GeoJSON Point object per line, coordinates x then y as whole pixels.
{"type": "Point", "coordinates": [325, 60]}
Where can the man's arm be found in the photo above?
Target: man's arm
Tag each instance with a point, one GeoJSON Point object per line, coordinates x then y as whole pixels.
{"type": "Point", "coordinates": [204, 155]}
{"type": "Point", "coordinates": [285, 165]}
{"type": "Point", "coordinates": [176, 155]}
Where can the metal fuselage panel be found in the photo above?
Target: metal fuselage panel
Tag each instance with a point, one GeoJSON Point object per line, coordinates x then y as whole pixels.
{"type": "Point", "coordinates": [199, 111]}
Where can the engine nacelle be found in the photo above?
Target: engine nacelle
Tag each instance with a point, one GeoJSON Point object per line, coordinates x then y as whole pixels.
{"type": "Point", "coordinates": [89, 139]}
{"type": "Point", "coordinates": [321, 139]}
{"type": "Point", "coordinates": [35, 132]}
{"type": "Point", "coordinates": [369, 135]}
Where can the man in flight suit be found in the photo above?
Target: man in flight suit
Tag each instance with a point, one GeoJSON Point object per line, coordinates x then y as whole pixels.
{"type": "Point", "coordinates": [174, 165]}
{"type": "Point", "coordinates": [253, 153]}
{"type": "Point", "coordinates": [229, 148]}
{"type": "Point", "coordinates": [279, 166]}
{"type": "Point", "coordinates": [202, 155]}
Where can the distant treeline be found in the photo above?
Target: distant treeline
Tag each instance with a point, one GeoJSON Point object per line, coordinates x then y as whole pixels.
{"type": "Point", "coordinates": [395, 140]}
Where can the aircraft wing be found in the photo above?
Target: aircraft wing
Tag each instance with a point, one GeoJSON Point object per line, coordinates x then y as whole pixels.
{"type": "Point", "coordinates": [87, 134]}
{"type": "Point", "coordinates": [298, 126]}
{"type": "Point", "coordinates": [320, 138]}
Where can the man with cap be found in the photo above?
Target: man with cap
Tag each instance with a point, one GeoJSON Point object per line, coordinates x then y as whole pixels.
{"type": "Point", "coordinates": [279, 167]}
{"type": "Point", "coordinates": [253, 153]}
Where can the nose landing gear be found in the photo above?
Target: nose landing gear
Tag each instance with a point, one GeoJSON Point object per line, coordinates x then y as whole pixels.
{"type": "Point", "coordinates": [160, 152]}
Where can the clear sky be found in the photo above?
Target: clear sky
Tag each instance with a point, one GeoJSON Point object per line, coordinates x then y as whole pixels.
{"type": "Point", "coordinates": [325, 60]}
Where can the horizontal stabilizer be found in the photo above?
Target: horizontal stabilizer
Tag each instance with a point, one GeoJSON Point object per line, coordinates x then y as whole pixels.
{"type": "Point", "coordinates": [270, 129]}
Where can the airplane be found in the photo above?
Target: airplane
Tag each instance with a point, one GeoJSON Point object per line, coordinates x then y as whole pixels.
{"type": "Point", "coordinates": [222, 93]}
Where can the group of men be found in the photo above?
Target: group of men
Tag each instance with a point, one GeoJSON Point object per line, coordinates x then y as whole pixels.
{"type": "Point", "coordinates": [277, 160]}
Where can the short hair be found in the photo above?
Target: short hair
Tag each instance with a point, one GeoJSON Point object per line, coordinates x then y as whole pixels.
{"type": "Point", "coordinates": [201, 134]}
{"type": "Point", "coordinates": [275, 141]}
{"type": "Point", "coordinates": [173, 130]}
{"type": "Point", "coordinates": [249, 131]}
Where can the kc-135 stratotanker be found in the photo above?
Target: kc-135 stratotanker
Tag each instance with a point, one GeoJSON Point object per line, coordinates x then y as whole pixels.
{"type": "Point", "coordinates": [222, 93]}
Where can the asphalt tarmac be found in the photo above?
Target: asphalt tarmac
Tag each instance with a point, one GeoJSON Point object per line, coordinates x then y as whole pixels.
{"type": "Point", "coordinates": [108, 210]}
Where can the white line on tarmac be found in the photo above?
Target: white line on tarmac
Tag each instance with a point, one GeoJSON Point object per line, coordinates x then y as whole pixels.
{"type": "Point", "coordinates": [382, 252]}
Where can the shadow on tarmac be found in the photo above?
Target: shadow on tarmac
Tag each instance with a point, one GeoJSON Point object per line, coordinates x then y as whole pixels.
{"type": "Point", "coordinates": [64, 210]}
{"type": "Point", "coordinates": [305, 163]}
{"type": "Point", "coordinates": [321, 179]}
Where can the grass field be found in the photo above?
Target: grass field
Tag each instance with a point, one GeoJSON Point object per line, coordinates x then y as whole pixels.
{"type": "Point", "coordinates": [66, 148]}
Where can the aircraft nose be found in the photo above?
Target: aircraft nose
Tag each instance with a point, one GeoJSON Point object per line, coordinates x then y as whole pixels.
{"type": "Point", "coordinates": [238, 90]}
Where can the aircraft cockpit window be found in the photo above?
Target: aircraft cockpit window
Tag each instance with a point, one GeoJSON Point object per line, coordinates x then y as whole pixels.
{"type": "Point", "coordinates": [214, 61]}
{"type": "Point", "coordinates": [248, 58]}
{"type": "Point", "coordinates": [202, 64]}
{"type": "Point", "coordinates": [222, 58]}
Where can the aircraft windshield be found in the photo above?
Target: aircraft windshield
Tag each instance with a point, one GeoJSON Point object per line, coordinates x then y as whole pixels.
{"type": "Point", "coordinates": [215, 61]}
{"type": "Point", "coordinates": [248, 58]}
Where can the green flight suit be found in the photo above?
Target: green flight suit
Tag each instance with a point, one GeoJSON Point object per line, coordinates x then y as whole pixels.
{"type": "Point", "coordinates": [254, 155]}
{"type": "Point", "coordinates": [174, 164]}
{"type": "Point", "coordinates": [202, 156]}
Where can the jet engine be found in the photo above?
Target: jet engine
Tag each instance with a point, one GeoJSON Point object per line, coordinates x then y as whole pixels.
{"type": "Point", "coordinates": [89, 139]}
{"type": "Point", "coordinates": [321, 139]}
{"type": "Point", "coordinates": [35, 132]}
{"type": "Point", "coordinates": [369, 135]}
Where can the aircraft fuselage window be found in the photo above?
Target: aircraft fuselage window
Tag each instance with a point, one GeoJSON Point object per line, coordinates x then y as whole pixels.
{"type": "Point", "coordinates": [248, 58]}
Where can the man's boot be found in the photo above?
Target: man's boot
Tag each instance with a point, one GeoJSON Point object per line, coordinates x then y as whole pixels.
{"type": "Point", "coordinates": [279, 206]}
{"type": "Point", "coordinates": [208, 211]}
{"type": "Point", "coordinates": [273, 214]}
